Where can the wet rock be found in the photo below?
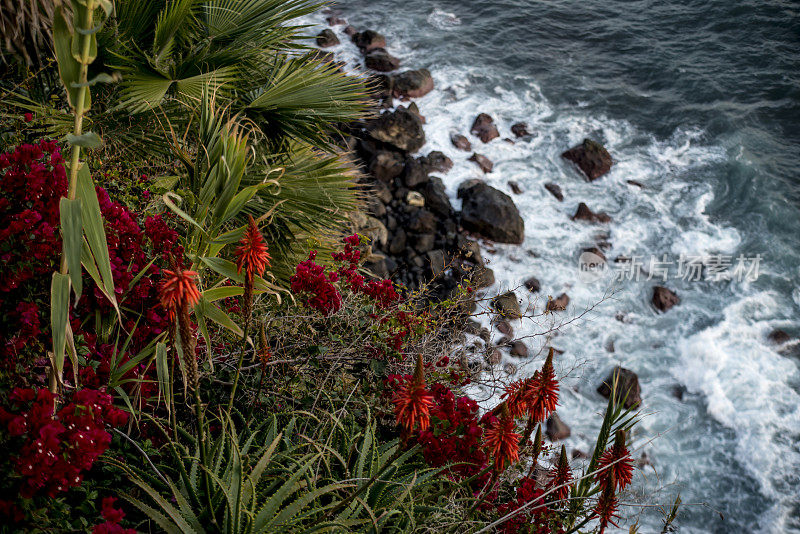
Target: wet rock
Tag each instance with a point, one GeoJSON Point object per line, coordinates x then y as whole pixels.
{"type": "Point", "coordinates": [779, 337]}
{"type": "Point", "coordinates": [483, 162]}
{"type": "Point", "coordinates": [520, 129]}
{"type": "Point", "coordinates": [519, 349]}
{"type": "Point", "coordinates": [351, 31]}
{"type": "Point", "coordinates": [469, 250]}
{"type": "Point", "coordinates": [380, 265]}
{"type": "Point", "coordinates": [436, 198]}
{"type": "Point", "coordinates": [472, 327]}
{"type": "Point", "coordinates": [560, 303]}
{"type": "Point", "coordinates": [423, 222]}
{"type": "Point", "coordinates": [504, 327]}
{"type": "Point", "coordinates": [532, 284]}
{"type": "Point", "coordinates": [424, 242]}
{"type": "Point", "coordinates": [368, 40]}
{"type": "Point", "coordinates": [461, 142]}
{"type": "Point", "coordinates": [414, 198]}
{"type": "Point", "coordinates": [591, 158]}
{"type": "Point", "coordinates": [507, 305]}
{"type": "Point", "coordinates": [557, 429]}
{"type": "Point", "coordinates": [380, 60]}
{"type": "Point", "coordinates": [555, 190]}
{"type": "Point", "coordinates": [494, 356]}
{"type": "Point", "coordinates": [398, 243]}
{"type": "Point", "coordinates": [401, 129]}
{"type": "Point", "coordinates": [414, 108]}
{"type": "Point", "coordinates": [596, 251]}
{"type": "Point", "coordinates": [437, 261]}
{"type": "Point", "coordinates": [491, 214]}
{"type": "Point", "coordinates": [484, 128]}
{"type": "Point", "coordinates": [382, 192]}
{"type": "Point", "coordinates": [627, 386]}
{"type": "Point", "coordinates": [327, 38]}
{"type": "Point", "coordinates": [515, 188]}
{"type": "Point", "coordinates": [413, 83]}
{"type": "Point", "coordinates": [335, 20]}
{"type": "Point", "coordinates": [634, 183]}
{"type": "Point", "coordinates": [387, 165]}
{"type": "Point", "coordinates": [482, 277]}
{"type": "Point", "coordinates": [416, 172]}
{"type": "Point", "coordinates": [438, 162]}
{"type": "Point", "coordinates": [664, 299]}
{"type": "Point", "coordinates": [585, 214]}
{"type": "Point", "coordinates": [578, 454]}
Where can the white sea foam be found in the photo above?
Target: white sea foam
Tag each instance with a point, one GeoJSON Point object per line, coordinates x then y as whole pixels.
{"type": "Point", "coordinates": [713, 343]}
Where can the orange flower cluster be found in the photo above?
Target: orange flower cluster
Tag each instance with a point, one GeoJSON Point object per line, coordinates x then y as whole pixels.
{"type": "Point", "coordinates": [560, 477]}
{"type": "Point", "coordinates": [178, 290]}
{"type": "Point", "coordinates": [412, 402]}
{"type": "Point", "coordinates": [535, 396]}
{"type": "Point", "coordinates": [615, 472]}
{"type": "Point", "coordinates": [251, 254]}
{"type": "Point", "coordinates": [502, 440]}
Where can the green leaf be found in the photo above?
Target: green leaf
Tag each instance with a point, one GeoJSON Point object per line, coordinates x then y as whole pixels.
{"type": "Point", "coordinates": [162, 371]}
{"type": "Point", "coordinates": [72, 230]}
{"type": "Point", "coordinates": [210, 311]}
{"type": "Point", "coordinates": [59, 314]}
{"type": "Point", "coordinates": [68, 68]}
{"type": "Point", "coordinates": [95, 232]}
{"type": "Point", "coordinates": [86, 140]}
{"type": "Point", "coordinates": [81, 22]}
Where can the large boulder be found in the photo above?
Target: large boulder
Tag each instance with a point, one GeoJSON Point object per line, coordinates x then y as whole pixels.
{"type": "Point", "coordinates": [491, 214]}
{"type": "Point", "coordinates": [507, 305]}
{"type": "Point", "coordinates": [585, 214]}
{"type": "Point", "coordinates": [327, 38]}
{"type": "Point", "coordinates": [664, 299]}
{"type": "Point", "coordinates": [461, 142]}
{"type": "Point", "coordinates": [379, 59]}
{"type": "Point", "coordinates": [627, 386]}
{"type": "Point", "coordinates": [416, 172]}
{"type": "Point", "coordinates": [483, 162]}
{"type": "Point", "coordinates": [401, 129]}
{"type": "Point", "coordinates": [368, 40]}
{"type": "Point", "coordinates": [413, 83]}
{"type": "Point", "coordinates": [484, 128]}
{"type": "Point", "coordinates": [436, 197]}
{"type": "Point", "coordinates": [380, 266]}
{"type": "Point", "coordinates": [591, 158]}
{"type": "Point", "coordinates": [532, 284]}
{"type": "Point", "coordinates": [519, 349]}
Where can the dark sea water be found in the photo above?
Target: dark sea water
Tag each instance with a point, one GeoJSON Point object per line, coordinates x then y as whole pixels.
{"type": "Point", "coordinates": [700, 102]}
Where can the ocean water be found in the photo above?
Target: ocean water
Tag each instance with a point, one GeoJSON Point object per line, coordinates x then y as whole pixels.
{"type": "Point", "coordinates": [699, 100]}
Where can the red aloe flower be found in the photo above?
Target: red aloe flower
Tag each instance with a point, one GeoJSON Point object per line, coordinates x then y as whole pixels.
{"type": "Point", "coordinates": [251, 254]}
{"type": "Point", "coordinates": [606, 508]}
{"type": "Point", "coordinates": [536, 396]}
{"type": "Point", "coordinates": [178, 290]}
{"type": "Point", "coordinates": [560, 477]}
{"type": "Point", "coordinates": [412, 402]}
{"type": "Point", "coordinates": [501, 440]}
{"type": "Point", "coordinates": [617, 462]}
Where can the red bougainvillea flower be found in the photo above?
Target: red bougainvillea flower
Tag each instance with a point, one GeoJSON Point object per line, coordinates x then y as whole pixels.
{"type": "Point", "coordinates": [606, 508]}
{"type": "Point", "coordinates": [28, 117]}
{"type": "Point", "coordinates": [620, 462]}
{"type": "Point", "coordinates": [178, 290]}
{"type": "Point", "coordinates": [251, 254]}
{"type": "Point", "coordinates": [535, 396]}
{"type": "Point", "coordinates": [412, 402]}
{"type": "Point", "coordinates": [501, 439]}
{"type": "Point", "coordinates": [560, 477]}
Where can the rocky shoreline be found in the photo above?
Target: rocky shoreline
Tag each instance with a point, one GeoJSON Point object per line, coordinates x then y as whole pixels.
{"type": "Point", "coordinates": [417, 236]}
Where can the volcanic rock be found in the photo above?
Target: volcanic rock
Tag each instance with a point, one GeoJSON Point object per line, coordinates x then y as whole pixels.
{"type": "Point", "coordinates": [401, 129]}
{"type": "Point", "coordinates": [368, 40]}
{"type": "Point", "coordinates": [591, 158]}
{"type": "Point", "coordinates": [507, 305]}
{"type": "Point", "coordinates": [413, 83]}
{"type": "Point", "coordinates": [483, 162]}
{"type": "Point", "coordinates": [461, 142]}
{"type": "Point", "coordinates": [560, 303]}
{"type": "Point", "coordinates": [557, 429]}
{"type": "Point", "coordinates": [491, 214]}
{"type": "Point", "coordinates": [380, 60]}
{"type": "Point", "coordinates": [627, 386]}
{"type": "Point", "coordinates": [585, 214]}
{"type": "Point", "coordinates": [555, 190]}
{"type": "Point", "coordinates": [664, 299]}
{"type": "Point", "coordinates": [327, 38]}
{"type": "Point", "coordinates": [484, 128]}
